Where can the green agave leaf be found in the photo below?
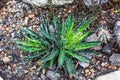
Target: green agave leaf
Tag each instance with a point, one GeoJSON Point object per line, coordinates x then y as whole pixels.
{"type": "Point", "coordinates": [70, 66]}
{"type": "Point", "coordinates": [66, 24]}
{"type": "Point", "coordinates": [39, 41]}
{"type": "Point", "coordinates": [31, 57]}
{"type": "Point", "coordinates": [63, 28]}
{"type": "Point", "coordinates": [51, 62]}
{"type": "Point", "coordinates": [32, 44]}
{"type": "Point", "coordinates": [81, 23]}
{"type": "Point", "coordinates": [32, 40]}
{"type": "Point", "coordinates": [61, 58]}
{"type": "Point", "coordinates": [86, 45]}
{"type": "Point", "coordinates": [87, 52]}
{"type": "Point", "coordinates": [37, 55]}
{"type": "Point", "coordinates": [80, 30]}
{"type": "Point", "coordinates": [31, 32]}
{"type": "Point", "coordinates": [30, 49]}
{"type": "Point", "coordinates": [85, 25]}
{"type": "Point", "coordinates": [44, 65]}
{"type": "Point", "coordinates": [69, 33]}
{"type": "Point", "coordinates": [50, 56]}
{"type": "Point", "coordinates": [69, 22]}
{"type": "Point", "coordinates": [47, 35]}
{"type": "Point", "coordinates": [76, 39]}
{"type": "Point", "coordinates": [79, 57]}
{"type": "Point", "coordinates": [57, 25]}
{"type": "Point", "coordinates": [51, 38]}
{"type": "Point", "coordinates": [45, 24]}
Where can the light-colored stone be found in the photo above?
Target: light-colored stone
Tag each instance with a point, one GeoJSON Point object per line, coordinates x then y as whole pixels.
{"type": "Point", "coordinates": [1, 78]}
{"type": "Point", "coordinates": [53, 75]}
{"type": "Point", "coordinates": [115, 59]}
{"type": "Point", "coordinates": [6, 59]}
{"type": "Point", "coordinates": [89, 3]}
{"type": "Point", "coordinates": [61, 2]}
{"type": "Point", "coordinates": [47, 2]}
{"type": "Point", "coordinates": [94, 37]}
{"type": "Point", "coordinates": [117, 32]}
{"type": "Point", "coordinates": [83, 64]}
{"type": "Point", "coordinates": [110, 76]}
{"type": "Point", "coordinates": [37, 2]}
{"type": "Point", "coordinates": [107, 48]}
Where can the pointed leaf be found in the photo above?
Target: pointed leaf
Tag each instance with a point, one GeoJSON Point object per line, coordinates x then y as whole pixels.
{"type": "Point", "coordinates": [78, 39]}
{"type": "Point", "coordinates": [32, 44]}
{"type": "Point", "coordinates": [70, 66]}
{"type": "Point", "coordinates": [31, 32]}
{"type": "Point", "coordinates": [30, 49]}
{"type": "Point", "coordinates": [79, 57]}
{"type": "Point", "coordinates": [50, 56]}
{"type": "Point", "coordinates": [70, 31]}
{"type": "Point", "coordinates": [61, 58]}
{"type": "Point", "coordinates": [47, 35]}
{"type": "Point", "coordinates": [86, 45]}
{"type": "Point", "coordinates": [57, 25]}
{"type": "Point", "coordinates": [85, 25]}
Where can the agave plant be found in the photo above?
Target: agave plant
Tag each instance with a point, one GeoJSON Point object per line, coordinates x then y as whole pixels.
{"type": "Point", "coordinates": [62, 45]}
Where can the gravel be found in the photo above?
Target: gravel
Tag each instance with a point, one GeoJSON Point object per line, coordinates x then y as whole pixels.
{"type": "Point", "coordinates": [15, 15]}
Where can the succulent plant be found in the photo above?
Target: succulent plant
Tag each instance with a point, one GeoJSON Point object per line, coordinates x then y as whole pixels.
{"type": "Point", "coordinates": [104, 35]}
{"type": "Point", "coordinates": [61, 45]}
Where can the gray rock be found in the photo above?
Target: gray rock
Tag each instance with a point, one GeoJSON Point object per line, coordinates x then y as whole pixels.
{"type": "Point", "coordinates": [117, 27]}
{"type": "Point", "coordinates": [117, 32]}
{"type": "Point", "coordinates": [43, 77]}
{"type": "Point", "coordinates": [37, 2]}
{"type": "Point", "coordinates": [61, 2]}
{"type": "Point", "coordinates": [1, 49]}
{"type": "Point", "coordinates": [52, 29]}
{"type": "Point", "coordinates": [1, 25]}
{"type": "Point", "coordinates": [110, 76]}
{"type": "Point", "coordinates": [79, 76]}
{"type": "Point", "coordinates": [47, 2]}
{"type": "Point", "coordinates": [94, 38]}
{"type": "Point", "coordinates": [1, 78]}
{"type": "Point", "coordinates": [107, 49]}
{"type": "Point", "coordinates": [89, 3]}
{"type": "Point", "coordinates": [103, 1]}
{"type": "Point", "coordinates": [52, 75]}
{"type": "Point", "coordinates": [115, 59]}
{"type": "Point", "coordinates": [83, 64]}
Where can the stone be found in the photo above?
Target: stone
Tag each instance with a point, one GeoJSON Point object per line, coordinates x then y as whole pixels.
{"type": "Point", "coordinates": [47, 2]}
{"type": "Point", "coordinates": [52, 29]}
{"type": "Point", "coordinates": [37, 2]}
{"type": "Point", "coordinates": [89, 3]}
{"type": "Point", "coordinates": [43, 77]}
{"type": "Point", "coordinates": [52, 75]}
{"type": "Point", "coordinates": [1, 78]}
{"type": "Point", "coordinates": [83, 64]}
{"type": "Point", "coordinates": [110, 76]}
{"type": "Point", "coordinates": [107, 49]}
{"type": "Point", "coordinates": [6, 59]}
{"type": "Point", "coordinates": [1, 49]}
{"type": "Point", "coordinates": [117, 32]}
{"type": "Point", "coordinates": [61, 2]}
{"type": "Point", "coordinates": [94, 37]}
{"type": "Point", "coordinates": [115, 59]}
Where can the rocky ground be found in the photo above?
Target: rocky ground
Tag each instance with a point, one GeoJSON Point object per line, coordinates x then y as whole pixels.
{"type": "Point", "coordinates": [15, 14]}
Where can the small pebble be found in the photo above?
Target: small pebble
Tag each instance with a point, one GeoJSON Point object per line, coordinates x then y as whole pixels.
{"type": "Point", "coordinates": [6, 59]}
